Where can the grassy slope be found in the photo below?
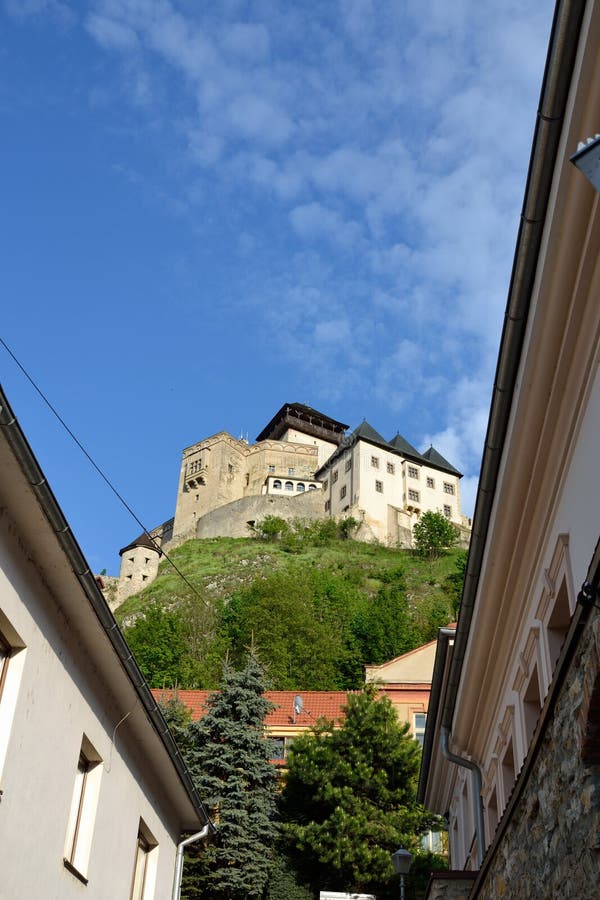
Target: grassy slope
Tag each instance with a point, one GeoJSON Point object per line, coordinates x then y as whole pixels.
{"type": "Point", "coordinates": [219, 566]}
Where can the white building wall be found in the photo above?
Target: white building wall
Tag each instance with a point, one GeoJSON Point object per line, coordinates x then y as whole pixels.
{"type": "Point", "coordinates": [59, 698]}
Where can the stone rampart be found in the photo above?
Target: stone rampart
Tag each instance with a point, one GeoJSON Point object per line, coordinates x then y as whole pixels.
{"type": "Point", "coordinates": [232, 519]}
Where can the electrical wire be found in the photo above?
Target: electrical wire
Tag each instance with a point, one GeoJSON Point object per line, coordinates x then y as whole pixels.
{"type": "Point", "coordinates": [100, 472]}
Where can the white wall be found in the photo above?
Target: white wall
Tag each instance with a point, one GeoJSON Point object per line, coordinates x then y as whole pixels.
{"type": "Point", "coordinates": [59, 699]}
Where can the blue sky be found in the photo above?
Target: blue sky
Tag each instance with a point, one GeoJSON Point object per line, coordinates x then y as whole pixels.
{"type": "Point", "coordinates": [209, 209]}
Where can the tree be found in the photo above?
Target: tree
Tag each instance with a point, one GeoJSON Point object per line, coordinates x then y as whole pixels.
{"type": "Point", "coordinates": [350, 796]}
{"type": "Point", "coordinates": [229, 759]}
{"type": "Point", "coordinates": [434, 534]}
{"type": "Point", "coordinates": [158, 642]}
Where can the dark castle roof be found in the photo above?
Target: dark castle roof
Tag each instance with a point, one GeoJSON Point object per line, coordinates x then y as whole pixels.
{"type": "Point", "coordinates": [406, 449]}
{"type": "Point", "coordinates": [436, 459]}
{"type": "Point", "coordinates": [143, 540]}
{"type": "Point", "coordinates": [305, 419]}
{"type": "Point", "coordinates": [398, 444]}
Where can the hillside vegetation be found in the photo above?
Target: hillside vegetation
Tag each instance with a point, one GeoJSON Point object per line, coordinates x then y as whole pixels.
{"type": "Point", "coordinates": [317, 607]}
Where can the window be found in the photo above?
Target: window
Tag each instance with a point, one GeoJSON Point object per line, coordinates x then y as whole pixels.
{"type": "Point", "coordinates": [430, 482]}
{"type": "Point", "coordinates": [5, 651]}
{"type": "Point", "coordinates": [375, 462]}
{"type": "Point", "coordinates": [413, 472]}
{"type": "Point", "coordinates": [276, 485]}
{"type": "Point", "coordinates": [300, 487]}
{"type": "Point", "coordinates": [291, 471]}
{"type": "Point", "coordinates": [83, 811]}
{"type": "Point", "coordinates": [413, 495]}
{"type": "Point", "coordinates": [12, 661]}
{"type": "Point", "coordinates": [391, 468]}
{"type": "Point", "coordinates": [271, 470]}
{"type": "Point", "coordinates": [289, 486]}
{"type": "Point", "coordinates": [230, 468]}
{"type": "Point", "coordinates": [342, 492]}
{"type": "Point", "coordinates": [347, 465]}
{"type": "Point", "coordinates": [334, 477]}
{"type": "Point", "coordinates": [278, 748]}
{"type": "Point", "coordinates": [419, 721]}
{"type": "Point", "coordinates": [448, 488]}
{"type": "Point", "coordinates": [142, 885]}
{"type": "Point", "coordinates": [327, 505]}
{"type": "Point", "coordinates": [448, 511]}
{"type": "Point", "coordinates": [379, 487]}
{"type": "Point", "coordinates": [325, 484]}
{"type": "Point", "coordinates": [312, 487]}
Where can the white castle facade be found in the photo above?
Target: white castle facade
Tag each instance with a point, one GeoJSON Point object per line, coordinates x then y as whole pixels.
{"type": "Point", "coordinates": [302, 465]}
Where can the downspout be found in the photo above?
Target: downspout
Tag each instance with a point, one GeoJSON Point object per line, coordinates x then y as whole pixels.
{"type": "Point", "coordinates": [477, 788]}
{"type": "Point", "coordinates": [199, 836]}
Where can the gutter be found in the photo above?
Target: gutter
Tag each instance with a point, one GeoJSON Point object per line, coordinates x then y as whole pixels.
{"type": "Point", "coordinates": [53, 513]}
{"type": "Point", "coordinates": [564, 39]}
{"type": "Point", "coordinates": [199, 836]}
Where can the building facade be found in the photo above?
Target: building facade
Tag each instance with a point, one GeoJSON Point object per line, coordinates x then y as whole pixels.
{"type": "Point", "coordinates": [94, 796]}
{"type": "Point", "coordinates": [511, 752]}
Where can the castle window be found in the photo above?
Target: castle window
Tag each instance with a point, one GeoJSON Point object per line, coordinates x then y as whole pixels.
{"type": "Point", "coordinates": [271, 470]}
{"type": "Point", "coordinates": [448, 511]}
{"type": "Point", "coordinates": [289, 486]}
{"type": "Point", "coordinates": [229, 468]}
{"type": "Point", "coordinates": [325, 484]}
{"type": "Point", "coordinates": [430, 482]}
{"type": "Point", "coordinates": [413, 472]}
{"type": "Point", "coordinates": [342, 492]}
{"type": "Point", "coordinates": [375, 462]}
{"type": "Point", "coordinates": [276, 485]}
{"type": "Point", "coordinates": [334, 477]}
{"type": "Point", "coordinates": [312, 487]}
{"type": "Point", "coordinates": [391, 468]}
{"type": "Point", "coordinates": [413, 495]}
{"type": "Point", "coordinates": [327, 505]}
{"type": "Point", "coordinates": [379, 487]}
{"type": "Point", "coordinates": [300, 487]}
{"type": "Point", "coordinates": [291, 471]}
{"type": "Point", "coordinates": [347, 465]}
{"type": "Point", "coordinates": [448, 488]}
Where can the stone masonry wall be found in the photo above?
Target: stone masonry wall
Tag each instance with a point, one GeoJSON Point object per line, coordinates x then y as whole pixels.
{"type": "Point", "coordinates": [232, 520]}
{"type": "Point", "coordinates": [551, 847]}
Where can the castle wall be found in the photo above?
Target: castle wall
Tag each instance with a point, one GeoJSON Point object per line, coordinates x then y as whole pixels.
{"type": "Point", "coordinates": [324, 448]}
{"type": "Point", "coordinates": [232, 520]}
{"type": "Point", "coordinates": [220, 470]}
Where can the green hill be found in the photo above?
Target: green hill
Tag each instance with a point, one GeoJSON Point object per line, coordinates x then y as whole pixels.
{"type": "Point", "coordinates": [317, 607]}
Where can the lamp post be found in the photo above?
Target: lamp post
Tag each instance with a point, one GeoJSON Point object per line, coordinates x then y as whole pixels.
{"type": "Point", "coordinates": [401, 861]}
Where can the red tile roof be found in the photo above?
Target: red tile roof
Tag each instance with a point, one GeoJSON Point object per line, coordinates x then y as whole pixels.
{"type": "Point", "coordinates": [315, 705]}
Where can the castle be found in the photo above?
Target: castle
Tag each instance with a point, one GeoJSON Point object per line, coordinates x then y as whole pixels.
{"type": "Point", "coordinates": [302, 465]}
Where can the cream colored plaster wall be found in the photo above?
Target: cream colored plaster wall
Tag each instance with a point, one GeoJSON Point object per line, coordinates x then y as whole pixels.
{"type": "Point", "coordinates": [59, 698]}
{"type": "Point", "coordinates": [324, 448]}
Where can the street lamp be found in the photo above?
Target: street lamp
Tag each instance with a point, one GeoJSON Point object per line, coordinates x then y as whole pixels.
{"type": "Point", "coordinates": [401, 861]}
{"type": "Point", "coordinates": [587, 160]}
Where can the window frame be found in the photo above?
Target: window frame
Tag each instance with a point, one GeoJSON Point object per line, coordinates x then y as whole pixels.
{"type": "Point", "coordinates": [413, 472]}
{"type": "Point", "coordinates": [415, 498]}
{"type": "Point", "coordinates": [82, 814]}
{"type": "Point", "coordinates": [378, 486]}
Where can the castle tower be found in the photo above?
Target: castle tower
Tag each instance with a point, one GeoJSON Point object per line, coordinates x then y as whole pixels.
{"type": "Point", "coordinates": [139, 566]}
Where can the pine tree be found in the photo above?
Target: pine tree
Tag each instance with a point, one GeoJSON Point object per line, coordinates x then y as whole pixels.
{"type": "Point", "coordinates": [350, 797]}
{"type": "Point", "coordinates": [228, 756]}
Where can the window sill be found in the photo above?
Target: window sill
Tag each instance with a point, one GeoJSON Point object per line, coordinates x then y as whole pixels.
{"type": "Point", "coordinates": [71, 868]}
